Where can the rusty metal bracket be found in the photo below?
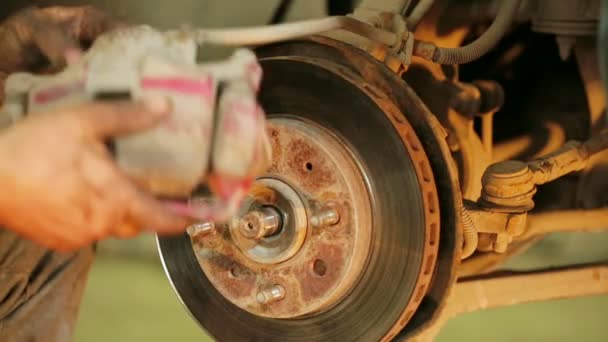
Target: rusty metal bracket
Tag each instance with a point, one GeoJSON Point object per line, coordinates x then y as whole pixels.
{"type": "Point", "coordinates": [509, 186]}
{"type": "Point", "coordinates": [496, 230]}
{"type": "Point", "coordinates": [537, 226]}
{"type": "Point", "coordinates": [508, 189]}
{"type": "Point", "coordinates": [385, 15]}
{"type": "Point", "coordinates": [396, 56]}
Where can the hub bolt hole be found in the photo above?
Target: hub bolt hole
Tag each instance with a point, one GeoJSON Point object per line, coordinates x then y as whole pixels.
{"type": "Point", "coordinates": [234, 273]}
{"type": "Point", "coordinates": [308, 167]}
{"type": "Point", "coordinates": [319, 267]}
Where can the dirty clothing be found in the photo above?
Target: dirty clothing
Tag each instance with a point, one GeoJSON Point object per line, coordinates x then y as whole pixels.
{"type": "Point", "coordinates": [40, 290]}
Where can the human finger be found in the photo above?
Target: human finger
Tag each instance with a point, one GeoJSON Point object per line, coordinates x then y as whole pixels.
{"type": "Point", "coordinates": [150, 214]}
{"type": "Point", "coordinates": [109, 119]}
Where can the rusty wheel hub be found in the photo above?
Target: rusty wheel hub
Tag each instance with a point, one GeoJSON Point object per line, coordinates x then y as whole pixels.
{"type": "Point", "coordinates": [271, 227]}
{"type": "Point", "coordinates": [302, 238]}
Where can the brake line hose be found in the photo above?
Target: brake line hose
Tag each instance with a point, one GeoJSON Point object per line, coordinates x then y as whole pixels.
{"type": "Point", "coordinates": [418, 12]}
{"type": "Point", "coordinates": [468, 53]}
{"type": "Point", "coordinates": [275, 33]}
{"type": "Point", "coordinates": [271, 34]}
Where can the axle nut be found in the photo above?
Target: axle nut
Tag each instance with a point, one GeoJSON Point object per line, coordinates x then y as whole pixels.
{"type": "Point", "coordinates": [260, 223]}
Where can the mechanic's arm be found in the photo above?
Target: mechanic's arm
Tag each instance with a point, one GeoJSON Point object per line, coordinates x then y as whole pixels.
{"type": "Point", "coordinates": [59, 184]}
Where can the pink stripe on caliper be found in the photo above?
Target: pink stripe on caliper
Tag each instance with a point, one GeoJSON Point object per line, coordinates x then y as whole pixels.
{"type": "Point", "coordinates": [182, 85]}
{"type": "Point", "coordinates": [56, 92]}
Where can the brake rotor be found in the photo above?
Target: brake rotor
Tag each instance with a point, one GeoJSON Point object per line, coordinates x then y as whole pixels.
{"type": "Point", "coordinates": [343, 244]}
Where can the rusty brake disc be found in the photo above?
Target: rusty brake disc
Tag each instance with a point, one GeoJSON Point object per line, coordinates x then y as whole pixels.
{"type": "Point", "coordinates": [343, 245]}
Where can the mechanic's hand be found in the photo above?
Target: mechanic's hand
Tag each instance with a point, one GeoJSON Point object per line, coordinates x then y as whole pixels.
{"type": "Point", "coordinates": [60, 185]}
{"type": "Point", "coordinates": [36, 38]}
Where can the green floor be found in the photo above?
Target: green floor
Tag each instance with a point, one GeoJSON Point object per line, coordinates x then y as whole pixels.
{"type": "Point", "coordinates": [129, 299]}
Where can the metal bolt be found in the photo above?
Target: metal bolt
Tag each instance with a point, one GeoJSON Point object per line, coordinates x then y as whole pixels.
{"type": "Point", "coordinates": [260, 223]}
{"type": "Point", "coordinates": [271, 295]}
{"type": "Point", "coordinates": [324, 218]}
{"type": "Point", "coordinates": [501, 242]}
{"type": "Point", "coordinates": [201, 229]}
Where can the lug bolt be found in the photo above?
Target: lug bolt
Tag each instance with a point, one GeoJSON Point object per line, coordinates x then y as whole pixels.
{"type": "Point", "coordinates": [271, 295]}
{"type": "Point", "coordinates": [201, 229]}
{"type": "Point", "coordinates": [260, 223]}
{"type": "Point", "coordinates": [326, 217]}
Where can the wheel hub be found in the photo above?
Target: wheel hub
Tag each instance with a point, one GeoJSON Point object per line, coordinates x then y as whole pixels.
{"type": "Point", "coordinates": [301, 239]}
{"type": "Point", "coordinates": [272, 224]}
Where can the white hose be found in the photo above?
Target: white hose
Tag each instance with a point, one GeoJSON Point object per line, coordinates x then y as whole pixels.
{"type": "Point", "coordinates": [486, 42]}
{"type": "Point", "coordinates": [259, 35]}
{"type": "Point", "coordinates": [418, 12]}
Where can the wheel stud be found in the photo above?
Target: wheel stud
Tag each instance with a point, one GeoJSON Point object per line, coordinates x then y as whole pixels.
{"type": "Point", "coordinates": [201, 229]}
{"type": "Point", "coordinates": [325, 218]}
{"type": "Point", "coordinates": [271, 295]}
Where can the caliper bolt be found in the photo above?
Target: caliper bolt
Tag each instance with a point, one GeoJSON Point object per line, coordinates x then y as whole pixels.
{"type": "Point", "coordinates": [260, 223]}
{"type": "Point", "coordinates": [326, 217]}
{"type": "Point", "coordinates": [271, 295]}
{"type": "Point", "coordinates": [201, 229]}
